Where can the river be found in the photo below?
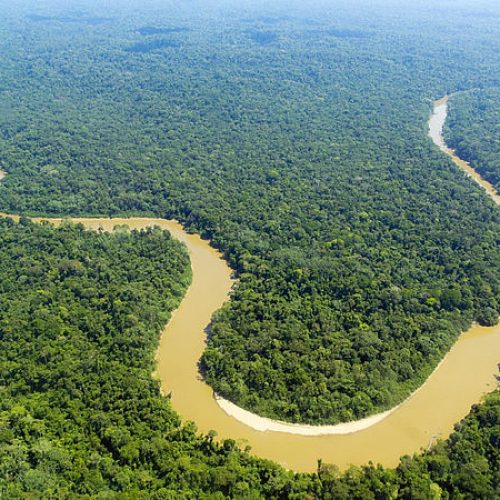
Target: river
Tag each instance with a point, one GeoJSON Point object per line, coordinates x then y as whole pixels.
{"type": "Point", "coordinates": [466, 373]}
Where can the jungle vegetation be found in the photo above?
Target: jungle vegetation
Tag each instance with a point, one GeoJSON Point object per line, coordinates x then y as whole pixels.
{"type": "Point", "coordinates": [295, 139]}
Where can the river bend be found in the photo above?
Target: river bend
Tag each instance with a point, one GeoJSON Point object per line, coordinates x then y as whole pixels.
{"type": "Point", "coordinates": [465, 374]}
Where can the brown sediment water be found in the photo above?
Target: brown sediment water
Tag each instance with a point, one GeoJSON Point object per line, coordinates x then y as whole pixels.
{"type": "Point", "coordinates": [466, 373]}
{"type": "Point", "coordinates": [436, 124]}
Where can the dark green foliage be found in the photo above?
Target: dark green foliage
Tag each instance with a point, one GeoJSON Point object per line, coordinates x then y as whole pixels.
{"type": "Point", "coordinates": [473, 130]}
{"type": "Point", "coordinates": [362, 251]}
{"type": "Point", "coordinates": [144, 48]}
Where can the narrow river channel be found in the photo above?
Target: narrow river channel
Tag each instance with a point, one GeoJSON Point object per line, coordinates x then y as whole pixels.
{"type": "Point", "coordinates": [436, 124]}
{"type": "Point", "coordinates": [465, 374]}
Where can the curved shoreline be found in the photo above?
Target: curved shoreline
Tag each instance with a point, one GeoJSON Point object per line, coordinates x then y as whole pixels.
{"type": "Point", "coordinates": [460, 379]}
{"type": "Point", "coordinates": [264, 424]}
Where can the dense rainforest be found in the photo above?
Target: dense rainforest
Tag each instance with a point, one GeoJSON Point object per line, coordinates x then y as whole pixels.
{"type": "Point", "coordinates": [297, 143]}
{"type": "Point", "coordinates": [81, 416]}
{"type": "Point", "coordinates": [294, 137]}
{"type": "Point", "coordinates": [473, 130]}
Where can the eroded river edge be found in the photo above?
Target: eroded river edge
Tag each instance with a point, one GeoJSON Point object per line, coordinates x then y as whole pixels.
{"type": "Point", "coordinates": [465, 374]}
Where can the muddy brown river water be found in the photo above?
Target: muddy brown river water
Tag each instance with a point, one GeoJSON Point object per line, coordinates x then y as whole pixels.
{"type": "Point", "coordinates": [466, 373]}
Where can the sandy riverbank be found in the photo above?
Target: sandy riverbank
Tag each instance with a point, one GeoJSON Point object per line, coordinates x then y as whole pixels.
{"type": "Point", "coordinates": [264, 424]}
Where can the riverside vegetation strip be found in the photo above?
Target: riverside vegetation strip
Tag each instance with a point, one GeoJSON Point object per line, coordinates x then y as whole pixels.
{"type": "Point", "coordinates": [472, 130]}
{"type": "Point", "coordinates": [436, 126]}
{"type": "Point", "coordinates": [81, 416]}
{"type": "Point", "coordinates": [450, 392]}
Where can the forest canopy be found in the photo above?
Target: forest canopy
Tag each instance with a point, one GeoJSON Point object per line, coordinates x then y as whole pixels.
{"type": "Point", "coordinates": [81, 416]}
{"type": "Point", "coordinates": [294, 137]}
